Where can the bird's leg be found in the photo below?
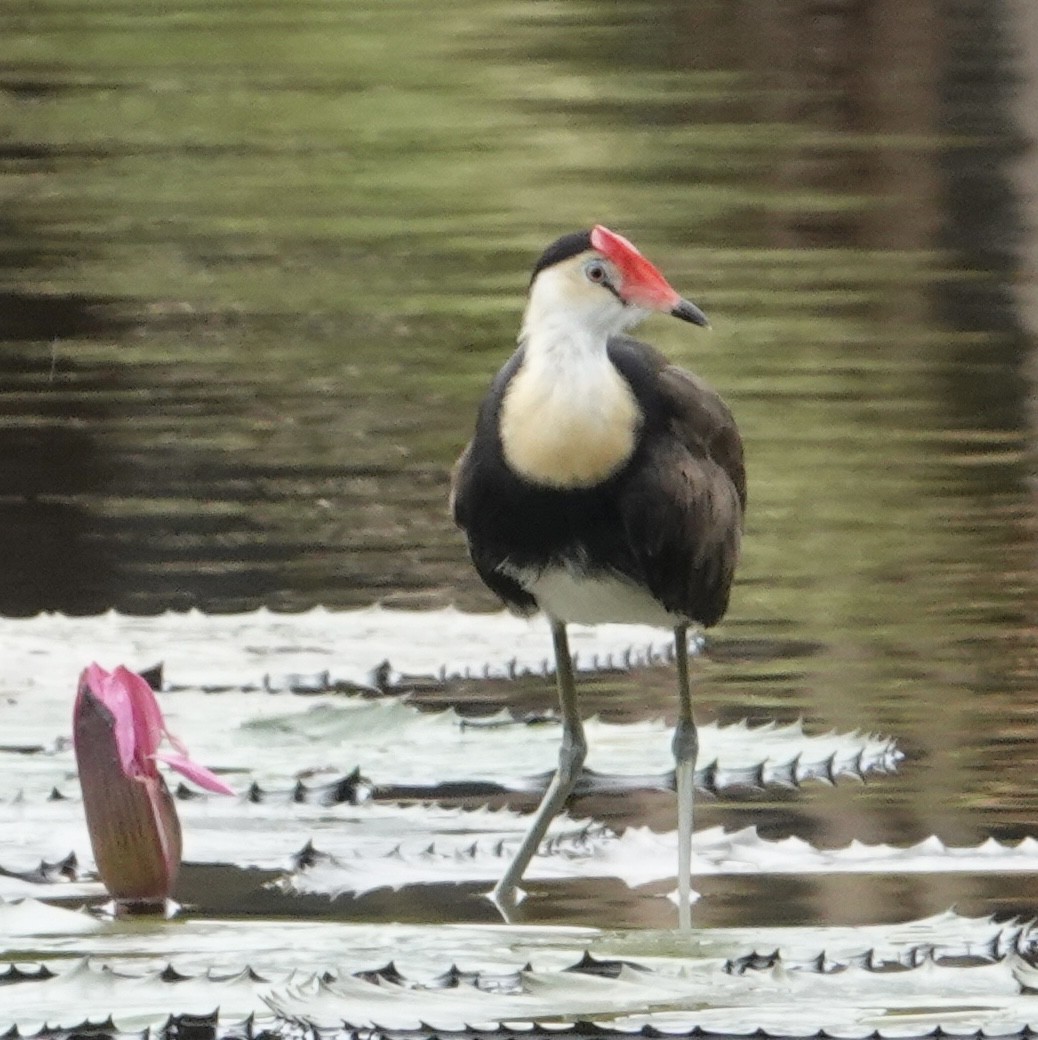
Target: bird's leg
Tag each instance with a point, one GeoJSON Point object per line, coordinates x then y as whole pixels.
{"type": "Point", "coordinates": [571, 760]}
{"type": "Point", "coordinates": [686, 748]}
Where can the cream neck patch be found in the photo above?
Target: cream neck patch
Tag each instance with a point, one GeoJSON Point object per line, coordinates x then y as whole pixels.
{"type": "Point", "coordinates": [568, 418]}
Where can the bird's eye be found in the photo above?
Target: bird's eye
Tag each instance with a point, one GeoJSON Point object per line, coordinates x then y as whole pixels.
{"type": "Point", "coordinates": [595, 271]}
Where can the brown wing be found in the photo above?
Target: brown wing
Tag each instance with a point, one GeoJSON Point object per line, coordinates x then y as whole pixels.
{"type": "Point", "coordinates": [701, 419]}
{"type": "Point", "coordinates": [475, 500]}
{"type": "Point", "coordinates": [683, 509]}
{"type": "Point", "coordinates": [458, 470]}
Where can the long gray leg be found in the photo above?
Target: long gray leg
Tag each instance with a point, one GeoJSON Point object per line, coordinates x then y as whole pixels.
{"type": "Point", "coordinates": [571, 760]}
{"type": "Point", "coordinates": [686, 748]}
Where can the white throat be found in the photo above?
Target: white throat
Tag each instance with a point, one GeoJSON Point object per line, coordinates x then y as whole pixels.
{"type": "Point", "coordinates": [568, 418]}
{"type": "Point", "coordinates": [564, 305]}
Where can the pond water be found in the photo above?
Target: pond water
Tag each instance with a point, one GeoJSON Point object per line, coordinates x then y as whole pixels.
{"type": "Point", "coordinates": [258, 262]}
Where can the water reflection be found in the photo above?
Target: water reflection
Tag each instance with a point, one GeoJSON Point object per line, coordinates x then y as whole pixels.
{"type": "Point", "coordinates": [262, 265]}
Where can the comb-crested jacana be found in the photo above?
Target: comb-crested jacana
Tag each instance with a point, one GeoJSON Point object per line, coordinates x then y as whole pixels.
{"type": "Point", "coordinates": [603, 484]}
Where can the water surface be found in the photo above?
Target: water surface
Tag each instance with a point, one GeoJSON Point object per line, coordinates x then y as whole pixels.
{"type": "Point", "coordinates": [259, 261]}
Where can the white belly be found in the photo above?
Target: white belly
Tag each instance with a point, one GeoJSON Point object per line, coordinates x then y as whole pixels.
{"type": "Point", "coordinates": [568, 595]}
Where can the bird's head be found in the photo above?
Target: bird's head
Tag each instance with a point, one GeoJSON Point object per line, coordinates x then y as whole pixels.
{"type": "Point", "coordinates": [599, 280]}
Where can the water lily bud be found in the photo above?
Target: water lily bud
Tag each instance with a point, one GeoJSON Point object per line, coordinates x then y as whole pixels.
{"type": "Point", "coordinates": [132, 820]}
{"type": "Point", "coordinates": [131, 816]}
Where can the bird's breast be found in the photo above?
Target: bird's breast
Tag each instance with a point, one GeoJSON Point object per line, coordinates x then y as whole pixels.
{"type": "Point", "coordinates": [570, 425]}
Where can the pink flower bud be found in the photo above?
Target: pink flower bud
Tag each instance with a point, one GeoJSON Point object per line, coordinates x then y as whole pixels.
{"type": "Point", "coordinates": [131, 816]}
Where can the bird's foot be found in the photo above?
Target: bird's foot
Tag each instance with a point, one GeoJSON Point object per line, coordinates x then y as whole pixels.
{"type": "Point", "coordinates": [506, 899]}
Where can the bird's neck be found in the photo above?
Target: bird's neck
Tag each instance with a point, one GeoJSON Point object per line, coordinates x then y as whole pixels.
{"type": "Point", "coordinates": [553, 318]}
{"type": "Point", "coordinates": [568, 418]}
{"type": "Point", "coordinates": [563, 346]}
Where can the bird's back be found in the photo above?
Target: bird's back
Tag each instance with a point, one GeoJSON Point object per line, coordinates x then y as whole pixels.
{"type": "Point", "coordinates": [667, 521]}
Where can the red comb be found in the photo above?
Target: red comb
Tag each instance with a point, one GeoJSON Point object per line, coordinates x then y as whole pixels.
{"type": "Point", "coordinates": [641, 283]}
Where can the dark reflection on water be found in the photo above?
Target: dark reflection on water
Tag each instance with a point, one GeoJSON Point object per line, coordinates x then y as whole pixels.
{"type": "Point", "coordinates": [257, 268]}
{"type": "Point", "coordinates": [725, 902]}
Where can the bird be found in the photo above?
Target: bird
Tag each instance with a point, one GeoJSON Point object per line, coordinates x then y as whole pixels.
{"type": "Point", "coordinates": [602, 484]}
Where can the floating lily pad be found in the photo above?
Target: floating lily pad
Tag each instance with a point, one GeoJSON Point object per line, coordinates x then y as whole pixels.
{"type": "Point", "coordinates": [947, 972]}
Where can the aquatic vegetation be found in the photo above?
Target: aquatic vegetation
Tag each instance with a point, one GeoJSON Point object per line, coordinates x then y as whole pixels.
{"type": "Point", "coordinates": [131, 816]}
{"type": "Point", "coordinates": [363, 803]}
